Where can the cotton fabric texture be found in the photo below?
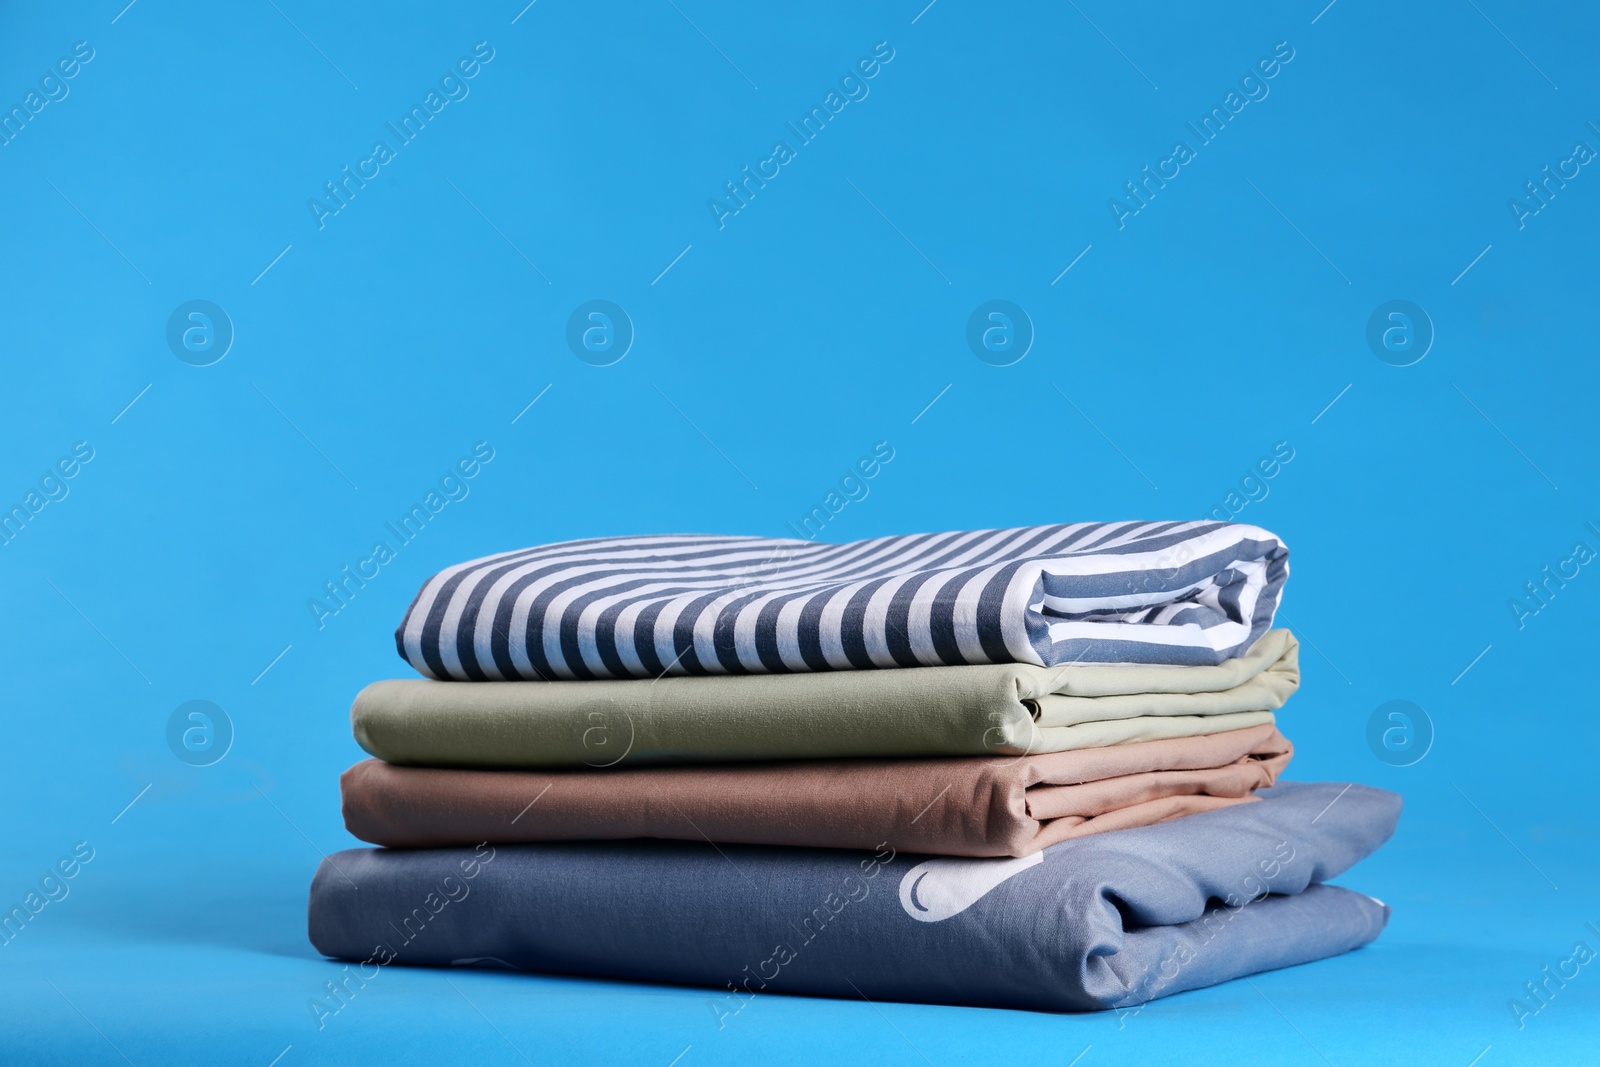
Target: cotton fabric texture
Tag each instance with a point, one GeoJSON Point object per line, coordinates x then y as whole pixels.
{"type": "Point", "coordinates": [980, 710]}
{"type": "Point", "coordinates": [640, 607]}
{"type": "Point", "coordinates": [976, 806]}
{"type": "Point", "coordinates": [1105, 921]}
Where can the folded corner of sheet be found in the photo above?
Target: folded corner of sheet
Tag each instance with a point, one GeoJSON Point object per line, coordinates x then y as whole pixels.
{"type": "Point", "coordinates": [1288, 662]}
{"type": "Point", "coordinates": [367, 706]}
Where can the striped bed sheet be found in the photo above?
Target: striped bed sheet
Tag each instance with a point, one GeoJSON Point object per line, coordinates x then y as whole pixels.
{"type": "Point", "coordinates": [1180, 593]}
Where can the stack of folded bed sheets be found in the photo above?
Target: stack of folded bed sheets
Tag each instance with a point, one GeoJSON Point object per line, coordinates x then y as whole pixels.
{"type": "Point", "coordinates": [1033, 768]}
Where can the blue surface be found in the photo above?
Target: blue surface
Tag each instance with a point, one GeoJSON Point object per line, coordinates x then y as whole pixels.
{"type": "Point", "coordinates": [1230, 313]}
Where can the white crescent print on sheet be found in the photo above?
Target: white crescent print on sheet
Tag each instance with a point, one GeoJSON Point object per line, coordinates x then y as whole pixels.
{"type": "Point", "coordinates": [935, 890]}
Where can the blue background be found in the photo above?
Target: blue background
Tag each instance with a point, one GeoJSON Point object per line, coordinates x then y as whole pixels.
{"type": "Point", "coordinates": [1223, 318]}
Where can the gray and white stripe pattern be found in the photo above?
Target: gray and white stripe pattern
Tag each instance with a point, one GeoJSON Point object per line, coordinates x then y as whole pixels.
{"type": "Point", "coordinates": [641, 607]}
